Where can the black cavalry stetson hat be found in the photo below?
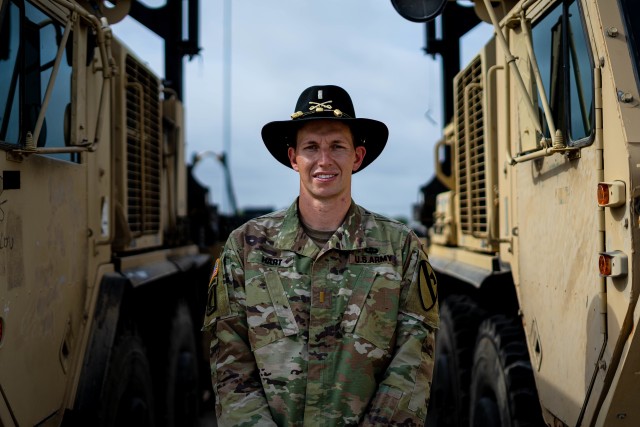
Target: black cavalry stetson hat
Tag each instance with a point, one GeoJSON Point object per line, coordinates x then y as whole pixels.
{"type": "Point", "coordinates": [326, 103]}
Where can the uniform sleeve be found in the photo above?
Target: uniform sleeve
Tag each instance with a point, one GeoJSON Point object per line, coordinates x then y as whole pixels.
{"type": "Point", "coordinates": [240, 399]}
{"type": "Point", "coordinates": [402, 397]}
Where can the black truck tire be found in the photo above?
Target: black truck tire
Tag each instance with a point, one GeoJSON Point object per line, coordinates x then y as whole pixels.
{"type": "Point", "coordinates": [449, 402]}
{"type": "Point", "coordinates": [181, 397]}
{"type": "Point", "coordinates": [503, 391]}
{"type": "Point", "coordinates": [128, 392]}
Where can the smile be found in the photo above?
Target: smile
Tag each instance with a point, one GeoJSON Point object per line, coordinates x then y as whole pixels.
{"type": "Point", "coordinates": [325, 176]}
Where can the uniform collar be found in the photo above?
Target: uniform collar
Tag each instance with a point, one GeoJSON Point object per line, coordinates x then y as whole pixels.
{"type": "Point", "coordinates": [349, 236]}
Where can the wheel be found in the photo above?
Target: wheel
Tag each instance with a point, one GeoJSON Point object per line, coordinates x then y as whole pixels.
{"type": "Point", "coordinates": [449, 401]}
{"type": "Point", "coordinates": [503, 392]}
{"type": "Point", "coordinates": [128, 392]}
{"type": "Point", "coordinates": [180, 388]}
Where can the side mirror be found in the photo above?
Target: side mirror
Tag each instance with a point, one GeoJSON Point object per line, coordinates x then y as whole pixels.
{"type": "Point", "coordinates": [419, 10]}
{"type": "Point", "coordinates": [114, 11]}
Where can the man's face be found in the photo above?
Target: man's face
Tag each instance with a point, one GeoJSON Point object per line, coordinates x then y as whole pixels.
{"type": "Point", "coordinates": [325, 158]}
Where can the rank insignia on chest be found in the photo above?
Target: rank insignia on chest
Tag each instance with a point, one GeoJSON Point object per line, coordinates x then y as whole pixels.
{"type": "Point", "coordinates": [320, 298]}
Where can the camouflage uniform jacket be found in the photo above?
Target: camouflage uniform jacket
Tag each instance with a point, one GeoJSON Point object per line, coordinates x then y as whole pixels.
{"type": "Point", "coordinates": [303, 336]}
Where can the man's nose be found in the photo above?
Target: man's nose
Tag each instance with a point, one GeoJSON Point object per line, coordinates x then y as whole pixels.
{"type": "Point", "coordinates": [325, 155]}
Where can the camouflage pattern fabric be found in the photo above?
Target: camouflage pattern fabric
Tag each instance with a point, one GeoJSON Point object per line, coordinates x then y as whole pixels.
{"type": "Point", "coordinates": [332, 336]}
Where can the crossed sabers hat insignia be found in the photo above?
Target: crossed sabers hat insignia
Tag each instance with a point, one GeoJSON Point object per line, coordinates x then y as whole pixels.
{"type": "Point", "coordinates": [320, 106]}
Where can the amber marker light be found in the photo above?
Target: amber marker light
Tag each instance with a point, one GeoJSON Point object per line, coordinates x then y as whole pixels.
{"type": "Point", "coordinates": [603, 194]}
{"type": "Point", "coordinates": [604, 263]}
{"type": "Point", "coordinates": [612, 264]}
{"type": "Point", "coordinates": [611, 194]}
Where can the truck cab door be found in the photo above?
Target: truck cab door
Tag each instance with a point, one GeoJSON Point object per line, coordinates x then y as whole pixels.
{"type": "Point", "coordinates": [43, 216]}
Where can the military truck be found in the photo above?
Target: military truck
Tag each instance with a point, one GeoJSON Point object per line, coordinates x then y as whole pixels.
{"type": "Point", "coordinates": [535, 231]}
{"type": "Point", "coordinates": [102, 292]}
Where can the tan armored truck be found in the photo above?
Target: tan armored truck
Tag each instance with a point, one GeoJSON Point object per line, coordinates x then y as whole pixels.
{"type": "Point", "coordinates": [101, 291]}
{"type": "Point", "coordinates": [535, 238]}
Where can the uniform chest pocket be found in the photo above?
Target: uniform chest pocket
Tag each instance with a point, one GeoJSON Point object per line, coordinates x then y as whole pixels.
{"type": "Point", "coordinates": [269, 314]}
{"type": "Point", "coordinates": [372, 311]}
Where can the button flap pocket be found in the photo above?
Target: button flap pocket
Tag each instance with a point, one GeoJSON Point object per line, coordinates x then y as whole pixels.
{"type": "Point", "coordinates": [361, 289]}
{"type": "Point", "coordinates": [372, 313]}
{"type": "Point", "coordinates": [263, 323]}
{"type": "Point", "coordinates": [281, 303]}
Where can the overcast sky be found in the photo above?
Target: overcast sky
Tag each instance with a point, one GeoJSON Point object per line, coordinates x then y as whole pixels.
{"type": "Point", "coordinates": [279, 48]}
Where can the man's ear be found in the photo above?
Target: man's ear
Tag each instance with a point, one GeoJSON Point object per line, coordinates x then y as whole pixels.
{"type": "Point", "coordinates": [360, 153]}
{"type": "Point", "coordinates": [291, 152]}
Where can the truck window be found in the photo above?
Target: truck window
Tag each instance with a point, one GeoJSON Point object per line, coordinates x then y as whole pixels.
{"type": "Point", "coordinates": [564, 57]}
{"type": "Point", "coordinates": [10, 72]}
{"type": "Point", "coordinates": [630, 12]}
{"type": "Point", "coordinates": [30, 41]}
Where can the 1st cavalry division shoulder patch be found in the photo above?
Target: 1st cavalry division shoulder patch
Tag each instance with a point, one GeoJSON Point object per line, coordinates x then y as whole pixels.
{"type": "Point", "coordinates": [427, 286]}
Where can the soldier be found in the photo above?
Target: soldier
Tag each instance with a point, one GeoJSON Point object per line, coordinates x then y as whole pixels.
{"type": "Point", "coordinates": [323, 314]}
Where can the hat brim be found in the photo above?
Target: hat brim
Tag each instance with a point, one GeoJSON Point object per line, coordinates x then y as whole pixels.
{"type": "Point", "coordinates": [278, 136]}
